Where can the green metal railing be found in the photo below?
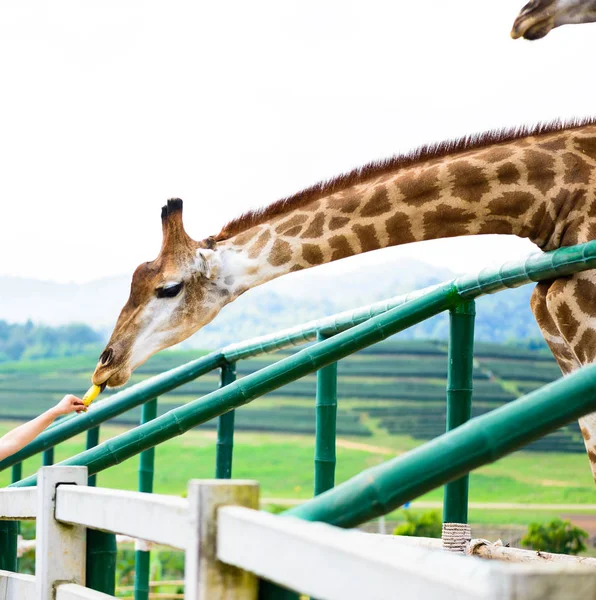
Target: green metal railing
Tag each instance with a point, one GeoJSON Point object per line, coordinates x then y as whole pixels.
{"type": "Point", "coordinates": [444, 461]}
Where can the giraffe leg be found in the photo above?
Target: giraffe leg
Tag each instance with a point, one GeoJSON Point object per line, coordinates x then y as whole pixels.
{"type": "Point", "coordinates": [565, 310]}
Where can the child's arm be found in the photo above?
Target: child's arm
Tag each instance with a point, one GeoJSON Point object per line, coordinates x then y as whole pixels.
{"type": "Point", "coordinates": [20, 436]}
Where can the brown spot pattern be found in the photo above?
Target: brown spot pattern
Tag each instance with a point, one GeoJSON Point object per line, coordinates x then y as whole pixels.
{"type": "Point", "coordinates": [378, 204]}
{"type": "Point", "coordinates": [290, 223]}
{"type": "Point", "coordinates": [511, 204]}
{"type": "Point", "coordinates": [499, 226]}
{"type": "Point", "coordinates": [243, 238]}
{"type": "Point", "coordinates": [281, 253]}
{"type": "Point", "coordinates": [591, 233]}
{"type": "Point", "coordinates": [338, 222]}
{"type": "Point", "coordinates": [540, 309]}
{"type": "Point", "coordinates": [585, 349]}
{"type": "Point", "coordinates": [345, 204]}
{"type": "Point", "coordinates": [367, 236]}
{"type": "Point", "coordinates": [446, 221]}
{"type": "Point", "coordinates": [585, 433]}
{"type": "Point", "coordinates": [587, 146]}
{"type": "Point", "coordinates": [469, 182]}
{"type": "Point", "coordinates": [294, 231]}
{"type": "Point", "coordinates": [340, 246]}
{"type": "Point", "coordinates": [540, 170]}
{"type": "Point", "coordinates": [508, 173]}
{"type": "Point", "coordinates": [585, 295]}
{"type": "Point", "coordinates": [496, 154]}
{"type": "Point", "coordinates": [315, 229]}
{"type": "Point", "coordinates": [541, 224]}
{"type": "Point", "coordinates": [577, 170]}
{"type": "Point", "coordinates": [312, 254]}
{"type": "Point", "coordinates": [557, 143]}
{"type": "Point", "coordinates": [258, 246]}
{"type": "Point", "coordinates": [419, 187]}
{"type": "Point", "coordinates": [567, 323]}
{"type": "Point", "coordinates": [573, 233]}
{"type": "Point", "coordinates": [399, 229]}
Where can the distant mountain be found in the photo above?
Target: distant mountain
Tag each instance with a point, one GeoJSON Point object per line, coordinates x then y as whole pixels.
{"type": "Point", "coordinates": [281, 303]}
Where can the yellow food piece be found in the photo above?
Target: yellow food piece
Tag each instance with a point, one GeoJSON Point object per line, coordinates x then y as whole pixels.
{"type": "Point", "coordinates": [91, 394]}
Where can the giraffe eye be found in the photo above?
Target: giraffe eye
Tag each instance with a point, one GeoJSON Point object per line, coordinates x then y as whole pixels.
{"type": "Point", "coordinates": [169, 291]}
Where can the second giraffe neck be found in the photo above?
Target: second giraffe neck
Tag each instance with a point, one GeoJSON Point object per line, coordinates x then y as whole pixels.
{"type": "Point", "coordinates": [538, 187]}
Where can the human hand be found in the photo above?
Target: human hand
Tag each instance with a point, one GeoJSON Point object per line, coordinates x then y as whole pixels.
{"type": "Point", "coordinates": [69, 404]}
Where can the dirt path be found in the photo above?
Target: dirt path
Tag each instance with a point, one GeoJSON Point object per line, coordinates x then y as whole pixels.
{"type": "Point", "coordinates": [365, 447]}
{"type": "Point", "coordinates": [480, 505]}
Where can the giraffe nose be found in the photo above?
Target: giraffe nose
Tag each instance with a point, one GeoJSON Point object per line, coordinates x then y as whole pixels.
{"type": "Point", "coordinates": [106, 357]}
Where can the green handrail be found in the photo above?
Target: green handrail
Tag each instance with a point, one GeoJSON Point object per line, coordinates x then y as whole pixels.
{"type": "Point", "coordinates": [481, 440]}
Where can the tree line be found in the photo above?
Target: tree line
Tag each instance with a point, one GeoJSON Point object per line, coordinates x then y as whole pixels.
{"type": "Point", "coordinates": [27, 341]}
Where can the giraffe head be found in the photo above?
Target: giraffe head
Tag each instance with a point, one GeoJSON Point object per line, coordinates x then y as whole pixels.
{"type": "Point", "coordinates": [538, 17]}
{"type": "Point", "coordinates": [170, 299]}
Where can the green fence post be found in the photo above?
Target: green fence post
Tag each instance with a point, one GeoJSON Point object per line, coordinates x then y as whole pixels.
{"type": "Point", "coordinates": [459, 399]}
{"type": "Point", "coordinates": [92, 441]}
{"type": "Point", "coordinates": [225, 429]}
{"type": "Point", "coordinates": [101, 546]}
{"type": "Point", "coordinates": [9, 533]}
{"type": "Point", "coordinates": [325, 428]}
{"type": "Point", "coordinates": [48, 457]}
{"type": "Point", "coordinates": [17, 475]}
{"type": "Point", "coordinates": [146, 471]}
{"type": "Point", "coordinates": [101, 561]}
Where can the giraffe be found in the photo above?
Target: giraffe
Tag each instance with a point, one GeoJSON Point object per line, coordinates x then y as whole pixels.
{"type": "Point", "coordinates": [538, 183]}
{"type": "Point", "coordinates": [538, 17]}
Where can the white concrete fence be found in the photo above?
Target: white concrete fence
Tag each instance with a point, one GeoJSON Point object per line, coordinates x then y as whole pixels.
{"type": "Point", "coordinates": [228, 544]}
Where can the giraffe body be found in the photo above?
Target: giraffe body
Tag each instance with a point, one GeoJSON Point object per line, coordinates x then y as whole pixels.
{"type": "Point", "coordinates": [539, 184]}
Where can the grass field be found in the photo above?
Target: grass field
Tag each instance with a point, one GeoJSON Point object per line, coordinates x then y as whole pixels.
{"type": "Point", "coordinates": [283, 464]}
{"type": "Point", "coordinates": [391, 398]}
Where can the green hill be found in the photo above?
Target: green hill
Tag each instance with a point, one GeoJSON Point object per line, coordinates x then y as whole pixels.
{"type": "Point", "coordinates": [397, 386]}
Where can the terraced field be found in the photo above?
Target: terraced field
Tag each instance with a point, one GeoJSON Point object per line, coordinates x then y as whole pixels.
{"type": "Point", "coordinates": [397, 387]}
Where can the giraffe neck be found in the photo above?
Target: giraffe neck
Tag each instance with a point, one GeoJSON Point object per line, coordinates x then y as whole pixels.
{"type": "Point", "coordinates": [540, 187]}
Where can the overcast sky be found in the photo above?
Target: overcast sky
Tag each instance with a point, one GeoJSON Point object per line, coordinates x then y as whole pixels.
{"type": "Point", "coordinates": [109, 108]}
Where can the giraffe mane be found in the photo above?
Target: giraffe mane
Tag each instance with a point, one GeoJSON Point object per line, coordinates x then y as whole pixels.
{"type": "Point", "coordinates": [380, 167]}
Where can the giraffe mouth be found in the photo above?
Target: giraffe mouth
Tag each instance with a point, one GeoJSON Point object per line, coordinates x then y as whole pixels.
{"type": "Point", "coordinates": [532, 26]}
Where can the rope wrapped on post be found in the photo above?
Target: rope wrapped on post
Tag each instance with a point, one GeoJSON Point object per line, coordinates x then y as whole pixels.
{"type": "Point", "coordinates": [456, 537]}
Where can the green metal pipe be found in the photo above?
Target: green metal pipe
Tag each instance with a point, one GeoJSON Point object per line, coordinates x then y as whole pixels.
{"type": "Point", "coordinates": [116, 405]}
{"type": "Point", "coordinates": [17, 472]}
{"type": "Point", "coordinates": [101, 561]}
{"type": "Point", "coordinates": [48, 457]}
{"type": "Point", "coordinates": [92, 441]}
{"type": "Point", "coordinates": [17, 475]}
{"type": "Point", "coordinates": [459, 399]}
{"type": "Point", "coordinates": [9, 533]}
{"type": "Point", "coordinates": [146, 471]}
{"type": "Point", "coordinates": [325, 426]}
{"type": "Point", "coordinates": [225, 429]}
{"type": "Point", "coordinates": [239, 393]}
{"type": "Point", "coordinates": [481, 440]}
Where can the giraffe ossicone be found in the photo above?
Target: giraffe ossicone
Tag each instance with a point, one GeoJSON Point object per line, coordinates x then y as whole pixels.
{"type": "Point", "coordinates": [537, 183]}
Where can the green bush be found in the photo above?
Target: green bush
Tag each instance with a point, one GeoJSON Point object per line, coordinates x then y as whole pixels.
{"type": "Point", "coordinates": [557, 536]}
{"type": "Point", "coordinates": [427, 524]}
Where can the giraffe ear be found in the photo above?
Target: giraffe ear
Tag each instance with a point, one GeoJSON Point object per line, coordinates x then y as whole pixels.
{"type": "Point", "coordinates": [208, 262]}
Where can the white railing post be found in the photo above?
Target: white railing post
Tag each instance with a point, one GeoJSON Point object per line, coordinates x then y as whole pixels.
{"type": "Point", "coordinates": [205, 577]}
{"type": "Point", "coordinates": [60, 551]}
